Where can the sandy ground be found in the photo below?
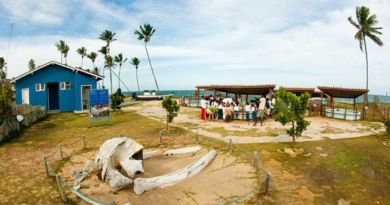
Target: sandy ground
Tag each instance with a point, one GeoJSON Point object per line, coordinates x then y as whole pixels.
{"type": "Point", "coordinates": [225, 177]}
{"type": "Point", "coordinates": [320, 127]}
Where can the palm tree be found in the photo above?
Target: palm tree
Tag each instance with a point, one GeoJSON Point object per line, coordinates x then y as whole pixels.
{"type": "Point", "coordinates": [3, 64]}
{"type": "Point", "coordinates": [366, 26]}
{"type": "Point", "coordinates": [65, 52]}
{"type": "Point", "coordinates": [82, 52]}
{"type": "Point", "coordinates": [120, 61]}
{"type": "Point", "coordinates": [60, 47]}
{"type": "Point", "coordinates": [145, 33]}
{"type": "Point", "coordinates": [93, 57]}
{"type": "Point", "coordinates": [109, 64]}
{"type": "Point", "coordinates": [108, 37]}
{"type": "Point", "coordinates": [135, 62]}
{"type": "Point", "coordinates": [31, 64]}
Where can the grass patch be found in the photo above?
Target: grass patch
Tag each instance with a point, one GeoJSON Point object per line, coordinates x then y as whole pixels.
{"type": "Point", "coordinates": [332, 130]}
{"type": "Point", "coordinates": [252, 132]}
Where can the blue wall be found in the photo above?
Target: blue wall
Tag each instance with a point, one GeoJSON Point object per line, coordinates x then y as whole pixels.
{"type": "Point", "coordinates": [69, 100]}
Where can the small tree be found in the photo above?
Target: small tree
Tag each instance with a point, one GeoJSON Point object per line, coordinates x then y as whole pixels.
{"type": "Point", "coordinates": [387, 124]}
{"type": "Point", "coordinates": [116, 99]}
{"type": "Point", "coordinates": [291, 109]}
{"type": "Point", "coordinates": [172, 108]}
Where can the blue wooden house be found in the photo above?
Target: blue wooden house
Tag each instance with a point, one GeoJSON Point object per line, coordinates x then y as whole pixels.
{"type": "Point", "coordinates": [56, 86]}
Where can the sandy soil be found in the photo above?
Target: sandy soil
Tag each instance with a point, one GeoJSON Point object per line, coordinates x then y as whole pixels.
{"type": "Point", "coordinates": [216, 183]}
{"type": "Point", "coordinates": [320, 128]}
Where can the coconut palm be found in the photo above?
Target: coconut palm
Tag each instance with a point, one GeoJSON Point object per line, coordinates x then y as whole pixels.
{"type": "Point", "coordinates": [31, 64]}
{"type": "Point", "coordinates": [120, 61]}
{"type": "Point", "coordinates": [109, 64]}
{"type": "Point", "coordinates": [82, 52]}
{"type": "Point", "coordinates": [366, 25]}
{"type": "Point", "coordinates": [92, 56]}
{"type": "Point", "coordinates": [60, 47]}
{"type": "Point", "coordinates": [108, 37]}
{"type": "Point", "coordinates": [3, 64]}
{"type": "Point", "coordinates": [135, 62]}
{"type": "Point", "coordinates": [145, 33]}
{"type": "Point", "coordinates": [65, 52]}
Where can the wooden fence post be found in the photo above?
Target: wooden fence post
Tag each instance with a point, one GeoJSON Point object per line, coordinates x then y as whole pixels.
{"type": "Point", "coordinates": [256, 160]}
{"type": "Point", "coordinates": [59, 184]}
{"type": "Point", "coordinates": [267, 179]}
{"type": "Point", "coordinates": [46, 165]}
{"type": "Point", "coordinates": [230, 145]}
{"type": "Point", "coordinates": [161, 140]}
{"type": "Point", "coordinates": [345, 113]}
{"type": "Point", "coordinates": [60, 149]}
{"type": "Point", "coordinates": [84, 142]}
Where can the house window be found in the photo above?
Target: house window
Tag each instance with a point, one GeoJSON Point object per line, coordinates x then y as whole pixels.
{"type": "Point", "coordinates": [65, 85]}
{"type": "Point", "coordinates": [39, 87]}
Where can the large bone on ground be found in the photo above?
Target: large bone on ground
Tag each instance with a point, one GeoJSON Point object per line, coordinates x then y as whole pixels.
{"type": "Point", "coordinates": [184, 150]}
{"type": "Point", "coordinates": [145, 184]}
{"type": "Point", "coordinates": [79, 176]}
{"type": "Point", "coordinates": [150, 153]}
{"type": "Point", "coordinates": [132, 167]}
{"type": "Point", "coordinates": [116, 180]}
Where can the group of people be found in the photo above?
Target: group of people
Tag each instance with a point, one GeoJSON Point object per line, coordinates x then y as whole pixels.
{"type": "Point", "coordinates": [228, 109]}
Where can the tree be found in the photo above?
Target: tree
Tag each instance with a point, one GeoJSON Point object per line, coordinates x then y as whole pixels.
{"type": "Point", "coordinates": [366, 26]}
{"type": "Point", "coordinates": [291, 109]}
{"type": "Point", "coordinates": [109, 64]}
{"type": "Point", "coordinates": [116, 99]}
{"type": "Point", "coordinates": [108, 37]}
{"type": "Point", "coordinates": [61, 47]}
{"type": "Point", "coordinates": [31, 64]}
{"type": "Point", "coordinates": [92, 56]}
{"type": "Point", "coordinates": [82, 52]}
{"type": "Point", "coordinates": [145, 33]}
{"type": "Point", "coordinates": [172, 108]}
{"type": "Point", "coordinates": [135, 62]}
{"type": "Point", "coordinates": [65, 52]}
{"type": "Point", "coordinates": [3, 64]}
{"type": "Point", "coordinates": [120, 61]}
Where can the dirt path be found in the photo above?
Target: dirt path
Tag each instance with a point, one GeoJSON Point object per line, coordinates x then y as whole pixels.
{"type": "Point", "coordinates": [320, 128]}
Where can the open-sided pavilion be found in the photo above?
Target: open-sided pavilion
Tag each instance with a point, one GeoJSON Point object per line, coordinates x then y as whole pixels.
{"type": "Point", "coordinates": [237, 90]}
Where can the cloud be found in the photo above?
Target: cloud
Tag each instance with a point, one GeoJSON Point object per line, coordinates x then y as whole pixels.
{"type": "Point", "coordinates": [293, 43]}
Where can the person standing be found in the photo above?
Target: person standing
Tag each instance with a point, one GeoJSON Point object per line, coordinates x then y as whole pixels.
{"type": "Point", "coordinates": [247, 112]}
{"type": "Point", "coordinates": [203, 106]}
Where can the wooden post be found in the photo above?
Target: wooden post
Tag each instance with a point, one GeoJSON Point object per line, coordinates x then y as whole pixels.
{"type": "Point", "coordinates": [46, 165]}
{"type": "Point", "coordinates": [266, 183]}
{"type": "Point", "coordinates": [230, 145]}
{"type": "Point", "coordinates": [59, 184]}
{"type": "Point", "coordinates": [197, 97]}
{"type": "Point", "coordinates": [321, 106]}
{"type": "Point", "coordinates": [256, 160]}
{"type": "Point", "coordinates": [60, 149]}
{"type": "Point", "coordinates": [271, 94]}
{"type": "Point", "coordinates": [243, 112]}
{"type": "Point", "coordinates": [247, 99]}
{"type": "Point", "coordinates": [332, 104]}
{"type": "Point", "coordinates": [161, 140]}
{"type": "Point", "coordinates": [84, 142]}
{"type": "Point", "coordinates": [345, 113]}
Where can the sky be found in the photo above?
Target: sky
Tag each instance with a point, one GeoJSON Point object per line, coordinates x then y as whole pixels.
{"type": "Point", "coordinates": [291, 43]}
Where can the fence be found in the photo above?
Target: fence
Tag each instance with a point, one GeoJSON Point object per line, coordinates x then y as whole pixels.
{"type": "Point", "coordinates": [263, 174]}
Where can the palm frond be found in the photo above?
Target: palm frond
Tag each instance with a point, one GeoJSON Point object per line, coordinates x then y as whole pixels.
{"type": "Point", "coordinates": [353, 23]}
{"type": "Point", "coordinates": [375, 38]}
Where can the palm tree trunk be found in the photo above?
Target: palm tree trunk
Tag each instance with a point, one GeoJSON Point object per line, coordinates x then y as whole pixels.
{"type": "Point", "coordinates": [61, 58]}
{"type": "Point", "coordinates": [119, 77]}
{"type": "Point", "coordinates": [82, 59]}
{"type": "Point", "coordinates": [151, 67]}
{"type": "Point", "coordinates": [365, 51]}
{"type": "Point", "coordinates": [136, 75]}
{"type": "Point", "coordinates": [111, 79]}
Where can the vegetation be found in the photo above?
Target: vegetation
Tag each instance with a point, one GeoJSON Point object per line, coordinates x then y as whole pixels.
{"type": "Point", "coordinates": [387, 124]}
{"type": "Point", "coordinates": [63, 48]}
{"type": "Point", "coordinates": [31, 64]}
{"type": "Point", "coordinates": [108, 37]}
{"type": "Point", "coordinates": [145, 33]}
{"type": "Point", "coordinates": [135, 62]}
{"type": "Point", "coordinates": [82, 52]}
{"type": "Point", "coordinates": [92, 56]}
{"type": "Point", "coordinates": [6, 93]}
{"type": "Point", "coordinates": [291, 109]}
{"type": "Point", "coordinates": [3, 64]}
{"type": "Point", "coordinates": [366, 25]}
{"type": "Point", "coordinates": [172, 108]}
{"type": "Point", "coordinates": [117, 99]}
{"type": "Point", "coordinates": [120, 61]}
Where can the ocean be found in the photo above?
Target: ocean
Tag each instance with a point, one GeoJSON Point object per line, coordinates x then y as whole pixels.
{"type": "Point", "coordinates": [187, 93]}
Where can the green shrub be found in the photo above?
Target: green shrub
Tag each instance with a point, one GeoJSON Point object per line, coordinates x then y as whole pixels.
{"type": "Point", "coordinates": [116, 99]}
{"type": "Point", "coordinates": [387, 124]}
{"type": "Point", "coordinates": [172, 108]}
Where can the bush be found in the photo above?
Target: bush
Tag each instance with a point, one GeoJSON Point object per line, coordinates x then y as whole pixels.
{"type": "Point", "coordinates": [291, 109]}
{"type": "Point", "coordinates": [387, 124]}
{"type": "Point", "coordinates": [116, 99]}
{"type": "Point", "coordinates": [172, 108]}
{"type": "Point", "coordinates": [6, 100]}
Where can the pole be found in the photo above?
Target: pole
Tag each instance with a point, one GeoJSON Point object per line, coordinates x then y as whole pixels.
{"type": "Point", "coordinates": [46, 165]}
{"type": "Point", "coordinates": [59, 184]}
{"type": "Point", "coordinates": [256, 160]}
{"type": "Point", "coordinates": [84, 142]}
{"type": "Point", "coordinates": [60, 149]}
{"type": "Point", "coordinates": [267, 179]}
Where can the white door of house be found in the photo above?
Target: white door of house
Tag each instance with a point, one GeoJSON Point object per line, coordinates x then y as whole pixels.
{"type": "Point", "coordinates": [25, 96]}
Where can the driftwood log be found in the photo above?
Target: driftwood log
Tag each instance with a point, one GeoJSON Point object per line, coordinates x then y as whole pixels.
{"type": "Point", "coordinates": [145, 184]}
